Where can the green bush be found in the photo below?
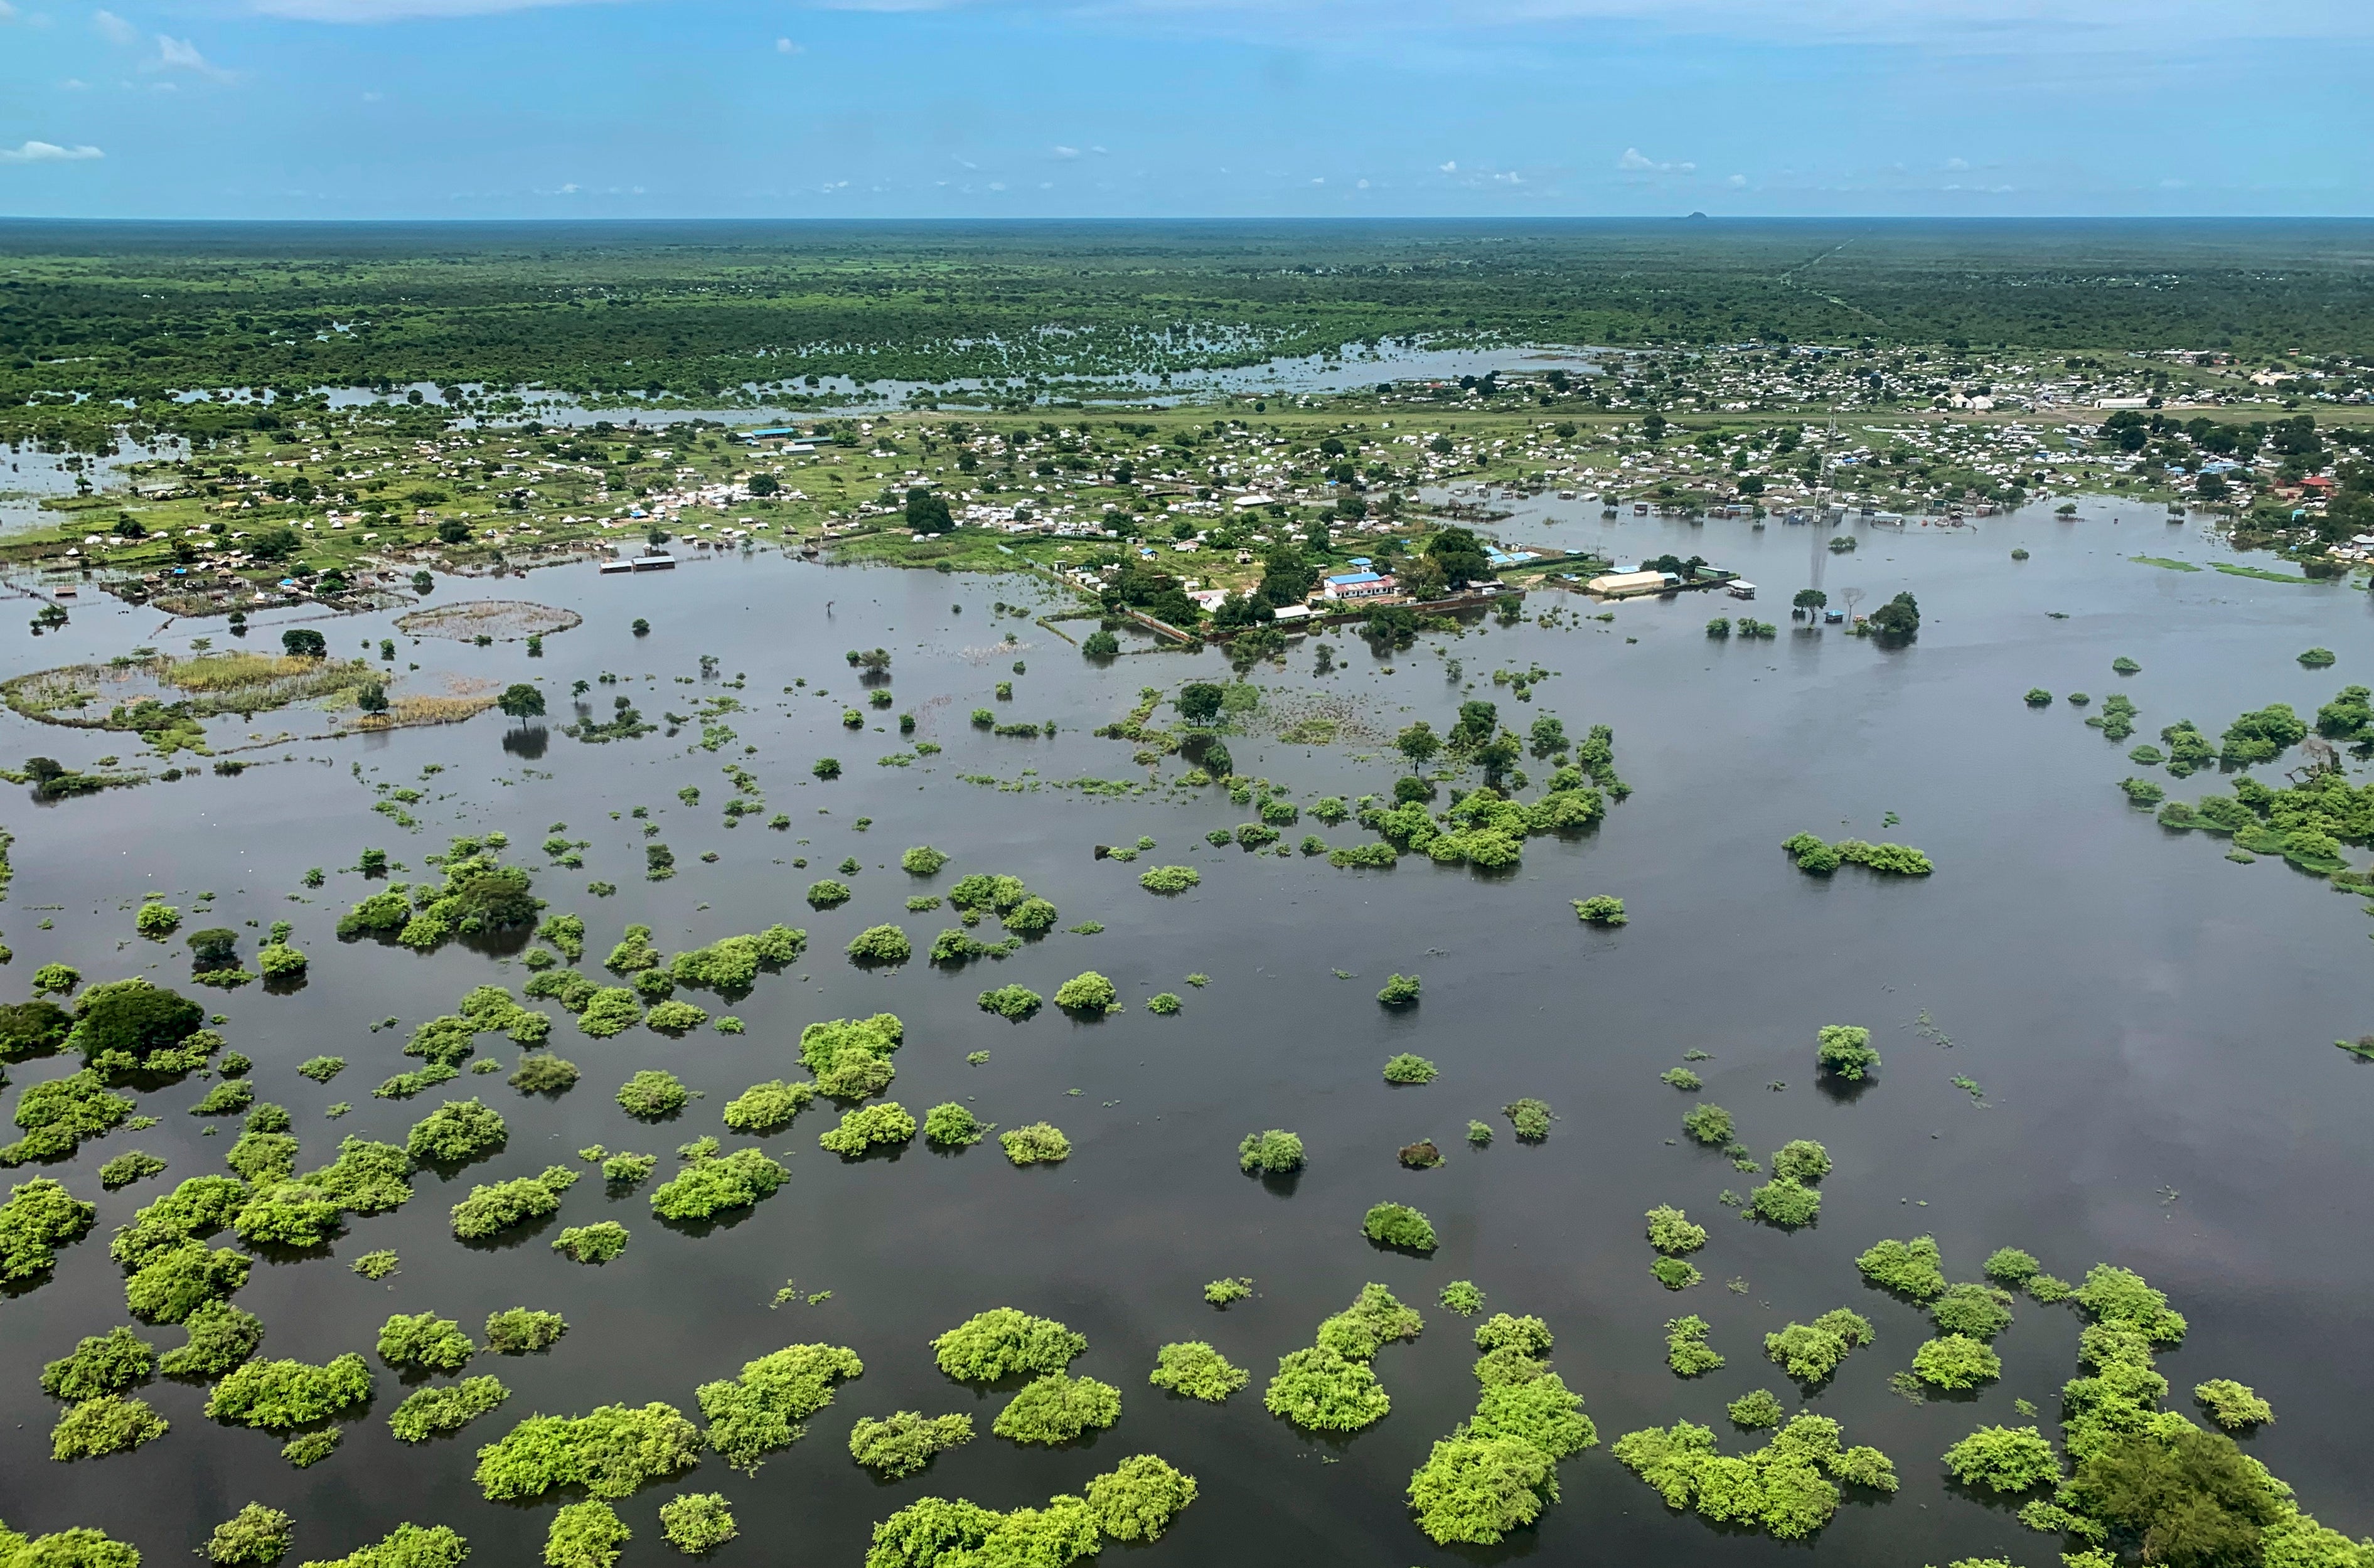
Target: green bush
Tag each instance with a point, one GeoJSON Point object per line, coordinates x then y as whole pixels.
{"type": "Point", "coordinates": [951, 1125]}
{"type": "Point", "coordinates": [696, 1522]}
{"type": "Point", "coordinates": [255, 1537]}
{"type": "Point", "coordinates": [1058, 1408]}
{"type": "Point", "coordinates": [1785, 1203]}
{"type": "Point", "coordinates": [1169, 879]}
{"type": "Point", "coordinates": [1003, 1342]}
{"type": "Point", "coordinates": [1407, 1067]}
{"type": "Point", "coordinates": [490, 1209]}
{"type": "Point", "coordinates": [1321, 1391]}
{"type": "Point", "coordinates": [2004, 1459]}
{"type": "Point", "coordinates": [596, 1243]}
{"type": "Point", "coordinates": [850, 1057]}
{"type": "Point", "coordinates": [1956, 1361]}
{"type": "Point", "coordinates": [1910, 1268]}
{"type": "Point", "coordinates": [520, 1330]}
{"type": "Point", "coordinates": [653, 1093]}
{"type": "Point", "coordinates": [1845, 1051]}
{"type": "Point", "coordinates": [1398, 1225]}
{"type": "Point", "coordinates": [869, 1127]}
{"type": "Point", "coordinates": [108, 1424]}
{"type": "Point", "coordinates": [610, 1451]}
{"type": "Point", "coordinates": [1980, 1311]}
{"type": "Point", "coordinates": [278, 1396]}
{"type": "Point", "coordinates": [1400, 990]}
{"type": "Point", "coordinates": [708, 1187]}
{"type": "Point", "coordinates": [922, 861]}
{"type": "Point", "coordinates": [1088, 992]}
{"type": "Point", "coordinates": [752, 1415]}
{"type": "Point", "coordinates": [904, 1441]}
{"type": "Point", "coordinates": [2230, 1404]}
{"type": "Point", "coordinates": [1810, 1352]}
{"type": "Point", "coordinates": [1601, 910]}
{"type": "Point", "coordinates": [1801, 1160]}
{"type": "Point", "coordinates": [1787, 1488]}
{"type": "Point", "coordinates": [880, 944]}
{"type": "Point", "coordinates": [408, 1546]}
{"type": "Point", "coordinates": [107, 1363]}
{"type": "Point", "coordinates": [1686, 1351]}
{"type": "Point", "coordinates": [1137, 1499]}
{"type": "Point", "coordinates": [1709, 1125]}
{"type": "Point", "coordinates": [433, 1412]}
{"type": "Point", "coordinates": [1195, 1369]}
{"type": "Point", "coordinates": [1670, 1231]}
{"type": "Point", "coordinates": [1014, 1002]}
{"type": "Point", "coordinates": [1530, 1118]}
{"type": "Point", "coordinates": [425, 1341]}
{"type": "Point", "coordinates": [1756, 1411]}
{"type": "Point", "coordinates": [762, 1107]}
{"type": "Point", "coordinates": [585, 1535]}
{"type": "Point", "coordinates": [1036, 1143]}
{"type": "Point", "coordinates": [1275, 1153]}
{"type": "Point", "coordinates": [455, 1133]}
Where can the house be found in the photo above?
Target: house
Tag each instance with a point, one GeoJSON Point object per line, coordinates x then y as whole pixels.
{"type": "Point", "coordinates": [1357, 585]}
{"type": "Point", "coordinates": [1617, 585]}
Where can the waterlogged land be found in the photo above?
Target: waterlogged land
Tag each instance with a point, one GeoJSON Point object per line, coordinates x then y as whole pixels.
{"type": "Point", "coordinates": [1185, 1129]}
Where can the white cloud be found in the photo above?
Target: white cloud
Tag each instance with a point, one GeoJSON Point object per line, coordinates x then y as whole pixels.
{"type": "Point", "coordinates": [1450, 166]}
{"type": "Point", "coordinates": [1634, 161]}
{"type": "Point", "coordinates": [1736, 181]}
{"type": "Point", "coordinates": [1064, 152]}
{"type": "Point", "coordinates": [785, 46]}
{"type": "Point", "coordinates": [73, 84]}
{"type": "Point", "coordinates": [8, 12]}
{"type": "Point", "coordinates": [181, 54]}
{"type": "Point", "coordinates": [1958, 163]}
{"type": "Point", "coordinates": [997, 184]}
{"type": "Point", "coordinates": [114, 28]}
{"type": "Point", "coordinates": [1363, 185]}
{"type": "Point", "coordinates": [48, 152]}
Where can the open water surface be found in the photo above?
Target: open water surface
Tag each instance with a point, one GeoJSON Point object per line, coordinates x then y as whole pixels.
{"type": "Point", "coordinates": [2149, 1022]}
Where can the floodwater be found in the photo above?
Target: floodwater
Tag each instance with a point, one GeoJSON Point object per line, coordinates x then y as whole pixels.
{"type": "Point", "coordinates": [2149, 1024]}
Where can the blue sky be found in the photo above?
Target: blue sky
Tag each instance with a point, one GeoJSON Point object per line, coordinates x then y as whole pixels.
{"type": "Point", "coordinates": [431, 109]}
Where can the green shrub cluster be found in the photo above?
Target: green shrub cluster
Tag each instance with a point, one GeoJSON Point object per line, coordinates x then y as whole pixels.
{"type": "Point", "coordinates": [492, 1209]}
{"type": "Point", "coordinates": [1810, 1352]}
{"type": "Point", "coordinates": [1788, 1488]}
{"type": "Point", "coordinates": [869, 1127]}
{"type": "Point", "coordinates": [1330, 1388]}
{"type": "Point", "coordinates": [407, 1546]}
{"type": "Point", "coordinates": [1910, 1268]}
{"type": "Point", "coordinates": [107, 1424]}
{"type": "Point", "coordinates": [1003, 1341]}
{"type": "Point", "coordinates": [951, 1125]}
{"type": "Point", "coordinates": [40, 1217]}
{"type": "Point", "coordinates": [904, 1441]}
{"type": "Point", "coordinates": [455, 1133]}
{"type": "Point", "coordinates": [850, 1057]}
{"type": "Point", "coordinates": [596, 1243]}
{"type": "Point", "coordinates": [255, 1537]}
{"type": "Point", "coordinates": [752, 1415]}
{"type": "Point", "coordinates": [1686, 1351]}
{"type": "Point", "coordinates": [519, 1330]}
{"type": "Point", "coordinates": [1819, 859]}
{"type": "Point", "coordinates": [1036, 1143]}
{"type": "Point", "coordinates": [57, 1114]}
{"type": "Point", "coordinates": [479, 893]}
{"type": "Point", "coordinates": [1498, 1470]}
{"type": "Point", "coordinates": [1195, 1369]}
{"type": "Point", "coordinates": [1398, 1225]}
{"type": "Point", "coordinates": [1058, 1408]}
{"type": "Point", "coordinates": [1275, 1153]}
{"type": "Point", "coordinates": [425, 1343]}
{"type": "Point", "coordinates": [762, 1107]}
{"type": "Point", "coordinates": [610, 1451]}
{"type": "Point", "coordinates": [1669, 1231]}
{"type": "Point", "coordinates": [1408, 1068]}
{"type": "Point", "coordinates": [1136, 1501]}
{"type": "Point", "coordinates": [2004, 1459]}
{"type": "Point", "coordinates": [696, 1522]}
{"type": "Point", "coordinates": [279, 1396]}
{"type": "Point", "coordinates": [712, 1184]}
{"type": "Point", "coordinates": [433, 1412]}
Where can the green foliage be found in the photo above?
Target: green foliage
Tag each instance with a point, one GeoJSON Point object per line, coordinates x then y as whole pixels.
{"type": "Point", "coordinates": [221, 1336]}
{"type": "Point", "coordinates": [1758, 1411]}
{"type": "Point", "coordinates": [1058, 1408]}
{"type": "Point", "coordinates": [493, 1209]}
{"type": "Point", "coordinates": [1014, 1002]}
{"type": "Point", "coordinates": [951, 1125]}
{"type": "Point", "coordinates": [1400, 990]}
{"type": "Point", "coordinates": [1670, 1231]}
{"type": "Point", "coordinates": [198, 1206]}
{"type": "Point", "coordinates": [1003, 1342]}
{"type": "Point", "coordinates": [1674, 1274]}
{"type": "Point", "coordinates": [2112, 1295]}
{"type": "Point", "coordinates": [1375, 1318]}
{"type": "Point", "coordinates": [39, 1217]}
{"type": "Point", "coordinates": [1400, 1226]}
{"type": "Point", "coordinates": [1137, 1499]}
{"type": "Point", "coordinates": [1038, 1142]}
{"type": "Point", "coordinates": [2004, 1459]}
{"type": "Point", "coordinates": [654, 1093]}
{"type": "Point", "coordinates": [1801, 1160]}
{"type": "Point", "coordinates": [1686, 1351]}
{"type": "Point", "coordinates": [409, 1546]}
{"type": "Point", "coordinates": [1810, 1352]}
{"type": "Point", "coordinates": [1956, 1361]}
{"type": "Point", "coordinates": [255, 1537]}
{"type": "Point", "coordinates": [1273, 1153]}
{"type": "Point", "coordinates": [765, 1107]}
{"type": "Point", "coordinates": [1709, 1125]}
{"type": "Point", "coordinates": [1221, 1292]}
{"type": "Point", "coordinates": [675, 1017]}
{"type": "Point", "coordinates": [1169, 879]}
{"type": "Point", "coordinates": [880, 944]}
{"type": "Point", "coordinates": [108, 1424]}
{"type": "Point", "coordinates": [759, 1412]}
{"type": "Point", "coordinates": [904, 1441]}
{"type": "Point", "coordinates": [32, 1028]}
{"type": "Point", "coordinates": [1910, 1268]}
{"type": "Point", "coordinates": [713, 1186]}
{"type": "Point", "coordinates": [2012, 1267]}
{"type": "Point", "coordinates": [101, 1365]}
{"type": "Point", "coordinates": [1321, 1391]}
{"type": "Point", "coordinates": [2230, 1404]}
{"type": "Point", "coordinates": [922, 861]}
{"type": "Point", "coordinates": [432, 1413]}
{"type": "Point", "coordinates": [1163, 1004]}
{"type": "Point", "coordinates": [57, 1114]}
{"type": "Point", "coordinates": [869, 1127]}
{"type": "Point", "coordinates": [1787, 1204]}
{"type": "Point", "coordinates": [1195, 1369]}
{"type": "Point", "coordinates": [585, 1535]}
{"type": "Point", "coordinates": [178, 1281]}
{"type": "Point", "coordinates": [1844, 1050]}
{"type": "Point", "coordinates": [1462, 1297]}
{"type": "Point", "coordinates": [1086, 992]}
{"type": "Point", "coordinates": [1530, 1118]}
{"type": "Point", "coordinates": [696, 1522]}
{"type": "Point", "coordinates": [1599, 910]}
{"type": "Point", "coordinates": [1980, 1311]}
{"type": "Point", "coordinates": [543, 1074]}
{"type": "Point", "coordinates": [1406, 1068]}
{"type": "Point", "coordinates": [279, 1396]}
{"type": "Point", "coordinates": [426, 1342]}
{"type": "Point", "coordinates": [2192, 1498]}
{"type": "Point", "coordinates": [592, 1244]}
{"type": "Point", "coordinates": [456, 1132]}
{"type": "Point", "coordinates": [610, 1451]}
{"type": "Point", "coordinates": [1682, 1078]}
{"type": "Point", "coordinates": [850, 1057]}
{"type": "Point", "coordinates": [518, 1330]}
{"type": "Point", "coordinates": [1787, 1488]}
